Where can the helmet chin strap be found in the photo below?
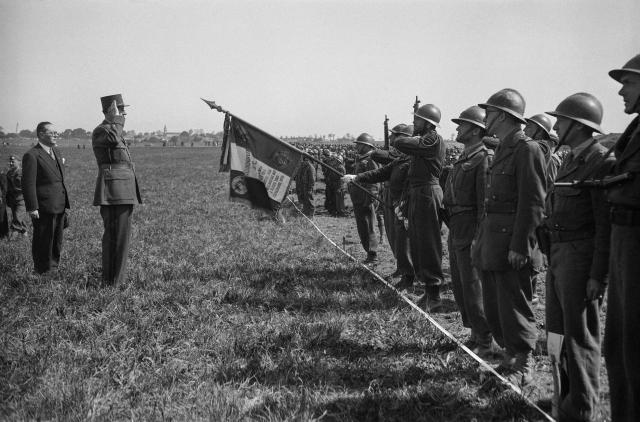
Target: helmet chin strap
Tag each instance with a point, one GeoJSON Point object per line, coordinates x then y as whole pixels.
{"type": "Point", "coordinates": [562, 138]}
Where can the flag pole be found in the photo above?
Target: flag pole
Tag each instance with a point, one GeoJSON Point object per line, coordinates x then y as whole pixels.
{"type": "Point", "coordinates": [214, 106]}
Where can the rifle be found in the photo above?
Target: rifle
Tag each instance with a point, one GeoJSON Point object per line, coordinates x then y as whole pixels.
{"type": "Point", "coordinates": [386, 132]}
{"type": "Point", "coordinates": [596, 183]}
{"type": "Point", "coordinates": [416, 104]}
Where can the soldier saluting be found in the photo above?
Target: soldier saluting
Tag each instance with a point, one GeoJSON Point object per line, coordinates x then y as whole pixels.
{"type": "Point", "coordinates": [116, 188]}
{"type": "Point", "coordinates": [621, 341]}
{"type": "Point", "coordinates": [424, 209]}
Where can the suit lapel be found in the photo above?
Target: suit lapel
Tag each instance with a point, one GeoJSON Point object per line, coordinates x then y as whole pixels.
{"type": "Point", "coordinates": [49, 162]}
{"type": "Point", "coordinates": [59, 166]}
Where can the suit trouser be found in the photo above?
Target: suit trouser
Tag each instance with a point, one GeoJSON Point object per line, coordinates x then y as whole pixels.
{"type": "Point", "coordinates": [115, 242]}
{"type": "Point", "coordinates": [568, 313]}
{"type": "Point", "coordinates": [47, 241]}
{"type": "Point", "coordinates": [467, 290]}
{"type": "Point", "coordinates": [306, 199]}
{"type": "Point", "coordinates": [507, 306]}
{"type": "Point", "coordinates": [18, 212]}
{"type": "Point", "coordinates": [622, 329]}
{"type": "Point", "coordinates": [366, 224]}
{"type": "Point", "coordinates": [425, 240]}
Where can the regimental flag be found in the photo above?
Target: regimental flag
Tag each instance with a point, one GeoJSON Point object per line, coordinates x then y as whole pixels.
{"type": "Point", "coordinates": [261, 166]}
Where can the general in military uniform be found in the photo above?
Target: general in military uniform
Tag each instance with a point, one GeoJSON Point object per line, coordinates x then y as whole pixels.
{"type": "Point", "coordinates": [15, 198]}
{"type": "Point", "coordinates": [578, 227]}
{"type": "Point", "coordinates": [464, 205]}
{"type": "Point", "coordinates": [116, 188]}
{"type": "Point", "coordinates": [622, 332]}
{"type": "Point", "coordinates": [424, 208]}
{"type": "Point", "coordinates": [364, 205]}
{"type": "Point", "coordinates": [505, 249]}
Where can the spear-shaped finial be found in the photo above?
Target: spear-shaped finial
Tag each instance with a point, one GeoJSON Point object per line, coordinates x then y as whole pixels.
{"type": "Point", "coordinates": [214, 106]}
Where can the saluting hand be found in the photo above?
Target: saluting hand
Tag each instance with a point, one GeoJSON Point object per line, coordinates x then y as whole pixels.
{"type": "Point", "coordinates": [517, 260]}
{"type": "Point", "coordinates": [112, 112]}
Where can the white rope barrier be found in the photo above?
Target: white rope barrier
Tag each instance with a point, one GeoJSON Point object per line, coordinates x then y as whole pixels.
{"type": "Point", "coordinates": [435, 323]}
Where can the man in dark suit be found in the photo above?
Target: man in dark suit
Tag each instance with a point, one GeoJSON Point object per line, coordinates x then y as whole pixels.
{"type": "Point", "coordinates": [45, 196]}
{"type": "Point", "coordinates": [116, 188]}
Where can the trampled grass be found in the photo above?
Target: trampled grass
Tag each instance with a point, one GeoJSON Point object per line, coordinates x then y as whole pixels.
{"type": "Point", "coordinates": [226, 316]}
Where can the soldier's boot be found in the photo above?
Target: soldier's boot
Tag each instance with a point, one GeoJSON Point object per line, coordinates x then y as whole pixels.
{"type": "Point", "coordinates": [372, 258]}
{"type": "Point", "coordinates": [487, 349]}
{"type": "Point", "coordinates": [405, 283]}
{"type": "Point", "coordinates": [472, 341]}
{"type": "Point", "coordinates": [430, 300]}
{"type": "Point", "coordinates": [522, 371]}
{"type": "Point", "coordinates": [506, 365]}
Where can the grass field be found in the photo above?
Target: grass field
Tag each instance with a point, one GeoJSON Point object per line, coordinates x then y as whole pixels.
{"type": "Point", "coordinates": [226, 316]}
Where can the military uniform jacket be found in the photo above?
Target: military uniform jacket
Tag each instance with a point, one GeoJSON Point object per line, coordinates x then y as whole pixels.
{"type": "Point", "coordinates": [394, 172]}
{"type": "Point", "coordinates": [583, 213]}
{"type": "Point", "coordinates": [427, 158]}
{"type": "Point", "coordinates": [514, 202]}
{"type": "Point", "coordinates": [464, 194]}
{"type": "Point", "coordinates": [14, 187]}
{"type": "Point", "coordinates": [43, 184]}
{"type": "Point", "coordinates": [627, 151]}
{"type": "Point", "coordinates": [116, 183]}
{"type": "Point", "coordinates": [305, 177]}
{"type": "Point", "coordinates": [359, 198]}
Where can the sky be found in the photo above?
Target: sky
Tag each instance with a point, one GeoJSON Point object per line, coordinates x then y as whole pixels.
{"type": "Point", "coordinates": [306, 67]}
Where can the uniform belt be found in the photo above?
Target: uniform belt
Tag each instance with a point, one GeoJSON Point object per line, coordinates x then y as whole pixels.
{"type": "Point", "coordinates": [559, 236]}
{"type": "Point", "coordinates": [117, 166]}
{"type": "Point", "coordinates": [501, 208]}
{"type": "Point", "coordinates": [623, 216]}
{"type": "Point", "coordinates": [459, 209]}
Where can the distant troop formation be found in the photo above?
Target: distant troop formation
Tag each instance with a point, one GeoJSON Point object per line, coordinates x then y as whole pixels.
{"type": "Point", "coordinates": [519, 200]}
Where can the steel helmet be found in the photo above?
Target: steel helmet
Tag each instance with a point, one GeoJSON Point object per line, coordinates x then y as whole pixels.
{"type": "Point", "coordinates": [632, 66]}
{"type": "Point", "coordinates": [430, 113]}
{"type": "Point", "coordinates": [583, 108]}
{"type": "Point", "coordinates": [542, 121]}
{"type": "Point", "coordinates": [508, 100]}
{"type": "Point", "coordinates": [402, 129]}
{"type": "Point", "coordinates": [366, 139]}
{"type": "Point", "coordinates": [474, 115]}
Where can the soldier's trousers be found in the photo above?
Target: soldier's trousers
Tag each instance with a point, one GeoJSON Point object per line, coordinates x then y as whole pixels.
{"type": "Point", "coordinates": [398, 241]}
{"type": "Point", "coordinates": [425, 240]}
{"type": "Point", "coordinates": [339, 203]}
{"type": "Point", "coordinates": [622, 329]}
{"type": "Point", "coordinates": [568, 314]}
{"type": "Point", "coordinates": [366, 224]}
{"type": "Point", "coordinates": [467, 290]}
{"type": "Point", "coordinates": [18, 211]}
{"type": "Point", "coordinates": [507, 306]}
{"type": "Point", "coordinates": [115, 242]}
{"type": "Point", "coordinates": [47, 241]}
{"type": "Point", "coordinates": [330, 198]}
{"type": "Point", "coordinates": [306, 199]}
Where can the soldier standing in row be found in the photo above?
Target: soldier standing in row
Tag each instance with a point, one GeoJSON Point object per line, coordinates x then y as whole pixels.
{"type": "Point", "coordinates": [330, 184]}
{"type": "Point", "coordinates": [364, 206]}
{"type": "Point", "coordinates": [539, 128]}
{"type": "Point", "coordinates": [424, 209]}
{"type": "Point", "coordinates": [622, 339]}
{"type": "Point", "coordinates": [505, 249]}
{"type": "Point", "coordinates": [464, 204]}
{"type": "Point", "coordinates": [15, 199]}
{"type": "Point", "coordinates": [578, 228]}
{"type": "Point", "coordinates": [116, 188]}
{"type": "Point", "coordinates": [305, 181]}
{"type": "Point", "coordinates": [395, 172]}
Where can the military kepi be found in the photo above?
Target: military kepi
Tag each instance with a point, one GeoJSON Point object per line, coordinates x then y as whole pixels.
{"type": "Point", "coordinates": [108, 99]}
